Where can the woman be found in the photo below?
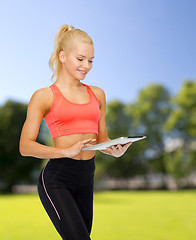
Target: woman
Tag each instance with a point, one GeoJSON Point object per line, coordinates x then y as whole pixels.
{"type": "Point", "coordinates": [75, 115]}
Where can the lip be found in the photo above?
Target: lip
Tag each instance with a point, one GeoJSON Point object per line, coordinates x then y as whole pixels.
{"type": "Point", "coordinates": [82, 72]}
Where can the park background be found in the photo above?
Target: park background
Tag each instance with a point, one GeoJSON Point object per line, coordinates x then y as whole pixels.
{"type": "Point", "coordinates": [145, 62]}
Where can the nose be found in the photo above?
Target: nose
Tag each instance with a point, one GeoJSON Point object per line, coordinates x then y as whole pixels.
{"type": "Point", "coordinates": [86, 65]}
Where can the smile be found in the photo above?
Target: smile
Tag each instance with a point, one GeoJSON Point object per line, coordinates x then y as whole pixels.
{"type": "Point", "coordinates": [83, 72]}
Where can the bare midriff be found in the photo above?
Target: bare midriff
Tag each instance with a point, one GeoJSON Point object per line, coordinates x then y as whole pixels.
{"type": "Point", "coordinates": [69, 140]}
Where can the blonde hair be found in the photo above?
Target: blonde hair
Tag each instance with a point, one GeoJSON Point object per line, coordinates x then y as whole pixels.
{"type": "Point", "coordinates": [63, 41]}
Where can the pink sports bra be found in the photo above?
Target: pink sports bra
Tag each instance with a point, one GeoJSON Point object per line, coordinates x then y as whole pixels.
{"type": "Point", "coordinates": [67, 118]}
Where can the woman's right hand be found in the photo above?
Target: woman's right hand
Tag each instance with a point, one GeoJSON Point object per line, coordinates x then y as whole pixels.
{"type": "Point", "coordinates": [76, 148]}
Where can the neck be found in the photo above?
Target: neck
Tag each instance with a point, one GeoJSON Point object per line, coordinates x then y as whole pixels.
{"type": "Point", "coordinates": [66, 81]}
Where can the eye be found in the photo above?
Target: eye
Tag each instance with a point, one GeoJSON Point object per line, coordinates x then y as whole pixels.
{"type": "Point", "coordinates": [80, 59]}
{"type": "Point", "coordinates": [91, 61]}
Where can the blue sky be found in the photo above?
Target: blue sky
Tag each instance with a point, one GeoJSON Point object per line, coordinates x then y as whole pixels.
{"type": "Point", "coordinates": [137, 43]}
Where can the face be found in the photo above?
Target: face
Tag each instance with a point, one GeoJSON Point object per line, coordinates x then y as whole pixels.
{"type": "Point", "coordinates": [78, 62]}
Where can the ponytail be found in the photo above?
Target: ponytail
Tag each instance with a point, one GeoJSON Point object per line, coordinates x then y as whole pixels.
{"type": "Point", "coordinates": [65, 34]}
{"type": "Point", "coordinates": [54, 62]}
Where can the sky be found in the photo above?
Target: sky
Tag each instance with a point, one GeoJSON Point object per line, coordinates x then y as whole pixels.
{"type": "Point", "coordinates": [137, 43]}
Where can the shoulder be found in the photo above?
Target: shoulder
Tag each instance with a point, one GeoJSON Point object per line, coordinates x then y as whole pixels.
{"type": "Point", "coordinates": [99, 92]}
{"type": "Point", "coordinates": [42, 98]}
{"type": "Point", "coordinates": [100, 95]}
{"type": "Point", "coordinates": [42, 94]}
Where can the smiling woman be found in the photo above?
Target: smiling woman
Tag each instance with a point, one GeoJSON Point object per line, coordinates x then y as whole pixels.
{"type": "Point", "coordinates": [75, 62]}
{"type": "Point", "coordinates": [75, 115]}
{"type": "Point", "coordinates": [66, 42]}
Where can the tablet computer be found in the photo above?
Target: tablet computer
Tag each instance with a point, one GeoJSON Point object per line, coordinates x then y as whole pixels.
{"type": "Point", "coordinates": [121, 141]}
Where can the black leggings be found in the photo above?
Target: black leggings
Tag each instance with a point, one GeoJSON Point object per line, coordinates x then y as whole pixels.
{"type": "Point", "coordinates": [65, 187]}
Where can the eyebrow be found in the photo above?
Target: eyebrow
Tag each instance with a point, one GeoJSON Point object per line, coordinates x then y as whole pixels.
{"type": "Point", "coordinates": [83, 55]}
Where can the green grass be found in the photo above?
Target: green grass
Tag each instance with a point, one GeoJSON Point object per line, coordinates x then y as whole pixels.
{"type": "Point", "coordinates": [117, 216]}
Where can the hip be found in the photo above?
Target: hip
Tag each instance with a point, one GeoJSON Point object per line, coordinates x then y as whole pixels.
{"type": "Point", "coordinates": [66, 164]}
{"type": "Point", "coordinates": [68, 173]}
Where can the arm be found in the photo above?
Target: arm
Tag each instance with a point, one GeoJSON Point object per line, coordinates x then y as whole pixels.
{"type": "Point", "coordinates": [39, 105]}
{"type": "Point", "coordinates": [116, 151]}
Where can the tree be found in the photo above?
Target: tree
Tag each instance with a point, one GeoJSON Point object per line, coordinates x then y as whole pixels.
{"type": "Point", "coordinates": [149, 114]}
{"type": "Point", "coordinates": [146, 116]}
{"type": "Point", "coordinates": [13, 167]}
{"type": "Point", "coordinates": [118, 123]}
{"type": "Point", "coordinates": [182, 120]}
{"type": "Point", "coordinates": [178, 163]}
{"type": "Point", "coordinates": [182, 125]}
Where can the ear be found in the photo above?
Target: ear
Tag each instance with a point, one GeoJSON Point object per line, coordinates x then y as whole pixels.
{"type": "Point", "coordinates": [62, 56]}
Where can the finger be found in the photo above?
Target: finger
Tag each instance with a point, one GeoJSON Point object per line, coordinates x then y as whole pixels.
{"type": "Point", "coordinates": [86, 141]}
{"type": "Point", "coordinates": [109, 149]}
{"type": "Point", "coordinates": [119, 147]}
{"type": "Point", "coordinates": [127, 145]}
{"type": "Point", "coordinates": [114, 148]}
{"type": "Point", "coordinates": [89, 140]}
{"type": "Point", "coordinates": [86, 145]}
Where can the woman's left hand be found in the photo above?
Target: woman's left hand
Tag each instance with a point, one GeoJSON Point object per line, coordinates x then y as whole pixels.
{"type": "Point", "coordinates": [117, 151]}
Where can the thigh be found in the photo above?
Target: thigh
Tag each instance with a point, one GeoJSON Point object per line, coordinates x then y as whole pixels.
{"type": "Point", "coordinates": [62, 209]}
{"type": "Point", "coordinates": [84, 199]}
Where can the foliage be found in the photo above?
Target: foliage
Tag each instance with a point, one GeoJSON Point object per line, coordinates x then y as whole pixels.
{"type": "Point", "coordinates": [118, 124]}
{"type": "Point", "coordinates": [184, 114]}
{"type": "Point", "coordinates": [153, 114]}
{"type": "Point", "coordinates": [13, 167]}
{"type": "Point", "coordinates": [178, 163]}
{"type": "Point", "coordinates": [182, 125]}
{"type": "Point", "coordinates": [149, 114]}
{"type": "Point", "coordinates": [116, 119]}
